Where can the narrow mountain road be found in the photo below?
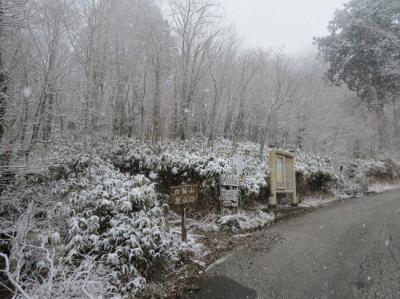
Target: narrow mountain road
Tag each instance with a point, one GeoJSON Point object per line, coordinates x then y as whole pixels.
{"type": "Point", "coordinates": [350, 249]}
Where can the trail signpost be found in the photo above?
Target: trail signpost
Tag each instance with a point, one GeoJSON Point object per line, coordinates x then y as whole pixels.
{"type": "Point", "coordinates": [183, 196]}
{"type": "Point", "coordinates": [283, 176]}
{"type": "Point", "coordinates": [229, 194]}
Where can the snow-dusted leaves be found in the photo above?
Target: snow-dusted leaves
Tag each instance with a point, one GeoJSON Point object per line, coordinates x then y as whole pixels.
{"type": "Point", "coordinates": [116, 218]}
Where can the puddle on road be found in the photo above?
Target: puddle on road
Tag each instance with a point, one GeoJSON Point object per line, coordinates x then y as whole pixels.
{"type": "Point", "coordinates": [220, 287]}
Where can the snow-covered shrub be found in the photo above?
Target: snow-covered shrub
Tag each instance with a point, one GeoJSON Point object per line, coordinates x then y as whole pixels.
{"type": "Point", "coordinates": [90, 279]}
{"type": "Point", "coordinates": [171, 164]}
{"type": "Point", "coordinates": [194, 161]}
{"type": "Point", "coordinates": [359, 175]}
{"type": "Point", "coordinates": [116, 218]}
{"type": "Point", "coordinates": [383, 168]}
{"type": "Point", "coordinates": [99, 213]}
{"type": "Point", "coordinates": [314, 174]}
{"type": "Point", "coordinates": [32, 242]}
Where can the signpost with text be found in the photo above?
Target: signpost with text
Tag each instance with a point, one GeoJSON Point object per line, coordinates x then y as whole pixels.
{"type": "Point", "coordinates": [182, 196]}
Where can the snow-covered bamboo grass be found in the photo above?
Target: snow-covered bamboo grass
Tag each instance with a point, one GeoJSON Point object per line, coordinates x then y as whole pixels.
{"type": "Point", "coordinates": [94, 215]}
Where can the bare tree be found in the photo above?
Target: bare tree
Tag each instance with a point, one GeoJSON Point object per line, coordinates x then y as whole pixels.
{"type": "Point", "coordinates": [221, 76]}
{"type": "Point", "coordinates": [11, 17]}
{"type": "Point", "coordinates": [48, 47]}
{"type": "Point", "coordinates": [158, 44]}
{"type": "Point", "coordinates": [250, 62]}
{"type": "Point", "coordinates": [3, 78]}
{"type": "Point", "coordinates": [195, 28]}
{"type": "Point", "coordinates": [283, 91]}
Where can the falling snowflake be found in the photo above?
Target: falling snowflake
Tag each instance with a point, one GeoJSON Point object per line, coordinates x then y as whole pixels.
{"type": "Point", "coordinates": [27, 92]}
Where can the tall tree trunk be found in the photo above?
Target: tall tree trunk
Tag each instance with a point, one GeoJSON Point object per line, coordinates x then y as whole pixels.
{"type": "Point", "coordinates": [157, 104]}
{"type": "Point", "coordinates": [183, 123]}
{"type": "Point", "coordinates": [141, 107]}
{"type": "Point", "coordinates": [265, 132]}
{"type": "Point", "coordinates": [24, 117]}
{"type": "Point", "coordinates": [237, 131]}
{"type": "Point", "coordinates": [46, 101]}
{"type": "Point", "coordinates": [3, 82]}
{"type": "Point", "coordinates": [380, 116]}
{"type": "Point", "coordinates": [38, 120]}
{"type": "Point", "coordinates": [396, 118]}
{"type": "Point", "coordinates": [217, 94]}
{"type": "Point", "coordinates": [48, 117]}
{"type": "Point", "coordinates": [375, 107]}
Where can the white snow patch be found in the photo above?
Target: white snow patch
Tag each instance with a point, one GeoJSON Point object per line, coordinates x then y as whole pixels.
{"type": "Point", "coordinates": [382, 187]}
{"type": "Point", "coordinates": [239, 223]}
{"type": "Point", "coordinates": [152, 175]}
{"type": "Point", "coordinates": [313, 202]}
{"type": "Point", "coordinates": [192, 244]}
{"type": "Point", "coordinates": [27, 92]}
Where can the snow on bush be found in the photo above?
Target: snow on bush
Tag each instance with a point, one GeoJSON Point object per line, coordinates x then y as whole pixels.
{"type": "Point", "coordinates": [195, 161]}
{"type": "Point", "coordinates": [363, 176]}
{"type": "Point", "coordinates": [112, 217]}
{"type": "Point", "coordinates": [382, 168]}
{"type": "Point", "coordinates": [190, 160]}
{"type": "Point", "coordinates": [33, 246]}
{"type": "Point", "coordinates": [96, 227]}
{"type": "Point", "coordinates": [314, 174]}
{"type": "Point", "coordinates": [116, 217]}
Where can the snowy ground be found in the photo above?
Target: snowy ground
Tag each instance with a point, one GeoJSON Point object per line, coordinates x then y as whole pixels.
{"type": "Point", "coordinates": [244, 221]}
{"type": "Point", "coordinates": [383, 187]}
{"type": "Point", "coordinates": [317, 201]}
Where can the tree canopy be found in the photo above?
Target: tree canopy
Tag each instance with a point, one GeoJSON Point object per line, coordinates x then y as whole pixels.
{"type": "Point", "coordinates": [363, 49]}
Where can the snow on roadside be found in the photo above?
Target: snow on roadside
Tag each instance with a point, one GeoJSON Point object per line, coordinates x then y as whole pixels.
{"type": "Point", "coordinates": [192, 245]}
{"type": "Point", "coordinates": [375, 188]}
{"type": "Point", "coordinates": [382, 187]}
{"type": "Point", "coordinates": [314, 202]}
{"type": "Point", "coordinates": [244, 221]}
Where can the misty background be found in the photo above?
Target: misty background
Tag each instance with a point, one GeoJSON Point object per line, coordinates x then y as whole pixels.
{"type": "Point", "coordinates": [234, 69]}
{"type": "Point", "coordinates": [287, 23]}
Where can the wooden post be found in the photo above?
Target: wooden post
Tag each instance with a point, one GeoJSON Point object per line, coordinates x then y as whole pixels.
{"type": "Point", "coordinates": [182, 196]}
{"type": "Point", "coordinates": [184, 233]}
{"type": "Point", "coordinates": [295, 200]}
{"type": "Point", "coordinates": [272, 197]}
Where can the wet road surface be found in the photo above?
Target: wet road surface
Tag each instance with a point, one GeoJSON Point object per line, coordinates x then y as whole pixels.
{"type": "Point", "coordinates": [350, 249]}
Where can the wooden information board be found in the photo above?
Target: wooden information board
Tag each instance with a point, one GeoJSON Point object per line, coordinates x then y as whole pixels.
{"type": "Point", "coordinates": [283, 176]}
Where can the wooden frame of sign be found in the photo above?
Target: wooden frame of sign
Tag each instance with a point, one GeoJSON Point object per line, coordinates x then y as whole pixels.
{"type": "Point", "coordinates": [183, 196]}
{"type": "Point", "coordinates": [283, 176]}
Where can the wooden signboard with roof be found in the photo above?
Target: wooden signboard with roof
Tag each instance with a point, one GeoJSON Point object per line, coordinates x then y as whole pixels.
{"type": "Point", "coordinates": [283, 177]}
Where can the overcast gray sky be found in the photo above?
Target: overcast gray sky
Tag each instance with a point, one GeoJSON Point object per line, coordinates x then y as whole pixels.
{"type": "Point", "coordinates": [273, 23]}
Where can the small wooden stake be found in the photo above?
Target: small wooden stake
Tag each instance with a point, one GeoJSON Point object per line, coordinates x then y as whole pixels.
{"type": "Point", "coordinates": [184, 233]}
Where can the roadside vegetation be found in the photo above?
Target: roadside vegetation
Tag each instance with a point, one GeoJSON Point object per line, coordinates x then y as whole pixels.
{"type": "Point", "coordinates": [98, 215]}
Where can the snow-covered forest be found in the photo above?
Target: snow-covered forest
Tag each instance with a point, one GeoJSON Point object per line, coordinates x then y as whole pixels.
{"type": "Point", "coordinates": [105, 104]}
{"type": "Point", "coordinates": [111, 69]}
